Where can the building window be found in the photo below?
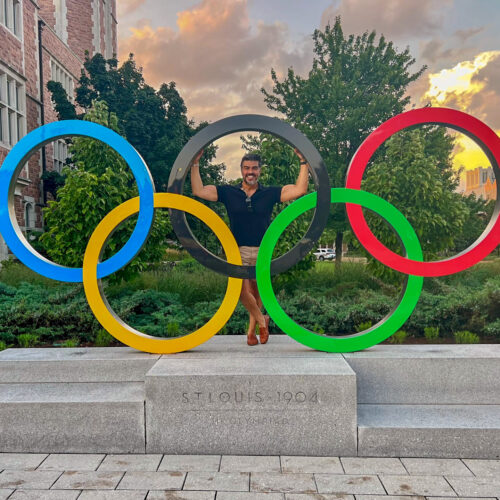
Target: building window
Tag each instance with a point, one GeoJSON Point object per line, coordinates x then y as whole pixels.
{"type": "Point", "coordinates": [12, 109]}
{"type": "Point", "coordinates": [58, 74]}
{"type": "Point", "coordinates": [60, 154]}
{"type": "Point", "coordinates": [10, 15]}
{"type": "Point", "coordinates": [29, 216]}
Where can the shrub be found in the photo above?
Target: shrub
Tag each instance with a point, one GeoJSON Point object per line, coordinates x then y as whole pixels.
{"type": "Point", "coordinates": [399, 337]}
{"type": "Point", "coordinates": [466, 337]}
{"type": "Point", "coordinates": [173, 329]}
{"type": "Point", "coordinates": [27, 340]}
{"type": "Point", "coordinates": [493, 329]}
{"type": "Point", "coordinates": [431, 333]}
{"type": "Point", "coordinates": [363, 326]}
{"type": "Point", "coordinates": [3, 346]}
{"type": "Point", "coordinates": [183, 299]}
{"type": "Point", "coordinates": [70, 343]}
{"type": "Point", "coordinates": [7, 338]}
{"type": "Point", "coordinates": [103, 338]}
{"type": "Point", "coordinates": [318, 329]}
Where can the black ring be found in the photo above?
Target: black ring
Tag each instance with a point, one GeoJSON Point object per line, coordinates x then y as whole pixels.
{"type": "Point", "coordinates": [253, 123]}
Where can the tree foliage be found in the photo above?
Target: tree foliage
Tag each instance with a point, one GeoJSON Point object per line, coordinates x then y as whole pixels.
{"type": "Point", "coordinates": [98, 181]}
{"type": "Point", "coordinates": [154, 121]}
{"type": "Point", "coordinates": [479, 211]}
{"type": "Point", "coordinates": [63, 106]}
{"type": "Point", "coordinates": [355, 84]}
{"type": "Point", "coordinates": [415, 174]}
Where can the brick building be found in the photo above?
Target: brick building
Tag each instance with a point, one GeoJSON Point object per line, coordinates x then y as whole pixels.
{"type": "Point", "coordinates": [42, 40]}
{"type": "Point", "coordinates": [481, 181]}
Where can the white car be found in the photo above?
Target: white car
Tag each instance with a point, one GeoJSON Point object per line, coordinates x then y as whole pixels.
{"type": "Point", "coordinates": [325, 254]}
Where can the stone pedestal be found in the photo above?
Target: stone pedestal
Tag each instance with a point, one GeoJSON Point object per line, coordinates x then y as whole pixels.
{"type": "Point", "coordinates": [220, 404]}
{"type": "Point", "coordinates": [72, 418]}
{"type": "Point", "coordinates": [428, 400]}
{"type": "Point", "coordinates": [224, 397]}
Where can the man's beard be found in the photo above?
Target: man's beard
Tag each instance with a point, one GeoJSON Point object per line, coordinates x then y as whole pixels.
{"type": "Point", "coordinates": [252, 181]}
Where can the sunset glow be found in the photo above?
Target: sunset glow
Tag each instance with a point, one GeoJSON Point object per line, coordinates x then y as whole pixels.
{"type": "Point", "coordinates": [457, 84]}
{"type": "Point", "coordinates": [220, 53]}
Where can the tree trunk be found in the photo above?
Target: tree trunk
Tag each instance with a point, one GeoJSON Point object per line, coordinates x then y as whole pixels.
{"type": "Point", "coordinates": [339, 237]}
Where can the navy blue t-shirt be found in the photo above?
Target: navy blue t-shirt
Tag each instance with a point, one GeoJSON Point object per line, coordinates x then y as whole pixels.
{"type": "Point", "coordinates": [249, 220]}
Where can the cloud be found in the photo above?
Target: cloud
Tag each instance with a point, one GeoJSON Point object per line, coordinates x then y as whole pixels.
{"type": "Point", "coordinates": [472, 86]}
{"type": "Point", "coordinates": [397, 19]}
{"type": "Point", "coordinates": [464, 35]}
{"type": "Point", "coordinates": [487, 103]}
{"type": "Point", "coordinates": [466, 85]}
{"type": "Point", "coordinates": [217, 58]}
{"type": "Point", "coordinates": [126, 7]}
{"type": "Point", "coordinates": [450, 50]}
{"type": "Point", "coordinates": [434, 50]}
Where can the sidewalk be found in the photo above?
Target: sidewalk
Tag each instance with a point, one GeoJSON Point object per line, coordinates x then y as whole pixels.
{"type": "Point", "coordinates": [209, 477]}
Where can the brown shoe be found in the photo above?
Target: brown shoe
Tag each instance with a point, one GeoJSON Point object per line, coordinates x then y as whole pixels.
{"type": "Point", "coordinates": [264, 332]}
{"type": "Point", "coordinates": [252, 339]}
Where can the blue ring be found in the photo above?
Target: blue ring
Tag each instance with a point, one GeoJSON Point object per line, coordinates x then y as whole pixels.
{"type": "Point", "coordinates": [12, 165]}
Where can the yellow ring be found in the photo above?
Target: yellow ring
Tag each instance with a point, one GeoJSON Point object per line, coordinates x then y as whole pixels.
{"type": "Point", "coordinates": [118, 328]}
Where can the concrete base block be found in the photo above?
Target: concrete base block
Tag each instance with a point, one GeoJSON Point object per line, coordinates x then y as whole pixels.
{"type": "Point", "coordinates": [439, 431]}
{"type": "Point", "coordinates": [427, 374]}
{"type": "Point", "coordinates": [81, 364]}
{"type": "Point", "coordinates": [251, 406]}
{"type": "Point", "coordinates": [227, 346]}
{"type": "Point", "coordinates": [72, 418]}
{"type": "Point", "coordinates": [224, 397]}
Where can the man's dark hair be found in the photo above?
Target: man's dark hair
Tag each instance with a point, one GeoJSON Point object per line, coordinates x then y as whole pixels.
{"type": "Point", "coordinates": [251, 157]}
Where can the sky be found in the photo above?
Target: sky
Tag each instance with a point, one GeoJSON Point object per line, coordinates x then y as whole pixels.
{"type": "Point", "coordinates": [220, 52]}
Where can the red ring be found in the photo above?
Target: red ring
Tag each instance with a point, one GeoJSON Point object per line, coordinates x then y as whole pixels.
{"type": "Point", "coordinates": [483, 135]}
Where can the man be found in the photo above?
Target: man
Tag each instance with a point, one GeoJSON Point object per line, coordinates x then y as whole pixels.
{"type": "Point", "coordinates": [249, 207]}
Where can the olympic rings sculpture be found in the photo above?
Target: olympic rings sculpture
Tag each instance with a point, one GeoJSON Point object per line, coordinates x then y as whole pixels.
{"type": "Point", "coordinates": [93, 269]}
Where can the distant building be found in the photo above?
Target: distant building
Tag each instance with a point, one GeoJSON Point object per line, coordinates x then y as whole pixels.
{"type": "Point", "coordinates": [42, 40]}
{"type": "Point", "coordinates": [481, 181]}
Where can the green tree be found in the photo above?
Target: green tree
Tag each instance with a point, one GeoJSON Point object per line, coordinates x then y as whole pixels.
{"type": "Point", "coordinates": [154, 121]}
{"type": "Point", "coordinates": [354, 85]}
{"type": "Point", "coordinates": [415, 174]}
{"type": "Point", "coordinates": [479, 212]}
{"type": "Point", "coordinates": [98, 181]}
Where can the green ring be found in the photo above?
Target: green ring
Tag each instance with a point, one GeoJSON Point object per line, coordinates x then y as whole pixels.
{"type": "Point", "coordinates": [358, 341]}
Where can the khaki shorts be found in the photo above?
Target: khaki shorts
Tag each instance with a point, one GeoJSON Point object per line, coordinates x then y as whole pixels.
{"type": "Point", "coordinates": [249, 255]}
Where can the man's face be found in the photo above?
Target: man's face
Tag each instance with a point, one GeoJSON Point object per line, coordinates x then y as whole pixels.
{"type": "Point", "coordinates": [250, 172]}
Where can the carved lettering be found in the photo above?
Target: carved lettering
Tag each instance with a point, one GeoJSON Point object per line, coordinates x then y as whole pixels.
{"type": "Point", "coordinates": [287, 398]}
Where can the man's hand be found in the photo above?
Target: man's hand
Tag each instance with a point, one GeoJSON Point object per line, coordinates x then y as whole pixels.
{"type": "Point", "coordinates": [197, 158]}
{"type": "Point", "coordinates": [300, 155]}
{"type": "Point", "coordinates": [208, 193]}
{"type": "Point", "coordinates": [293, 191]}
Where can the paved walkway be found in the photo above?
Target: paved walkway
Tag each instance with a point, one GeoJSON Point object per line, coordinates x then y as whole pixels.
{"type": "Point", "coordinates": [196, 477]}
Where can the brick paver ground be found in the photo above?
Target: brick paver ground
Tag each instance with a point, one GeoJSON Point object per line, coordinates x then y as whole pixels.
{"type": "Point", "coordinates": [194, 477]}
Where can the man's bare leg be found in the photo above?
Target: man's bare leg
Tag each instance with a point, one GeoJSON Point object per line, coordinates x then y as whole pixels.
{"type": "Point", "coordinates": [252, 324]}
{"type": "Point", "coordinates": [255, 292]}
{"type": "Point", "coordinates": [250, 303]}
{"type": "Point", "coordinates": [264, 334]}
{"type": "Point", "coordinates": [248, 299]}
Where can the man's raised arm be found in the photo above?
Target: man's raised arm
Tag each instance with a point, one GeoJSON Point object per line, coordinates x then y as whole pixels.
{"type": "Point", "coordinates": [208, 193]}
{"type": "Point", "coordinates": [293, 191]}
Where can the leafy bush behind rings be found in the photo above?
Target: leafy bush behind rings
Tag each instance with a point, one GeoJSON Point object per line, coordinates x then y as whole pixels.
{"type": "Point", "coordinates": [184, 298]}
